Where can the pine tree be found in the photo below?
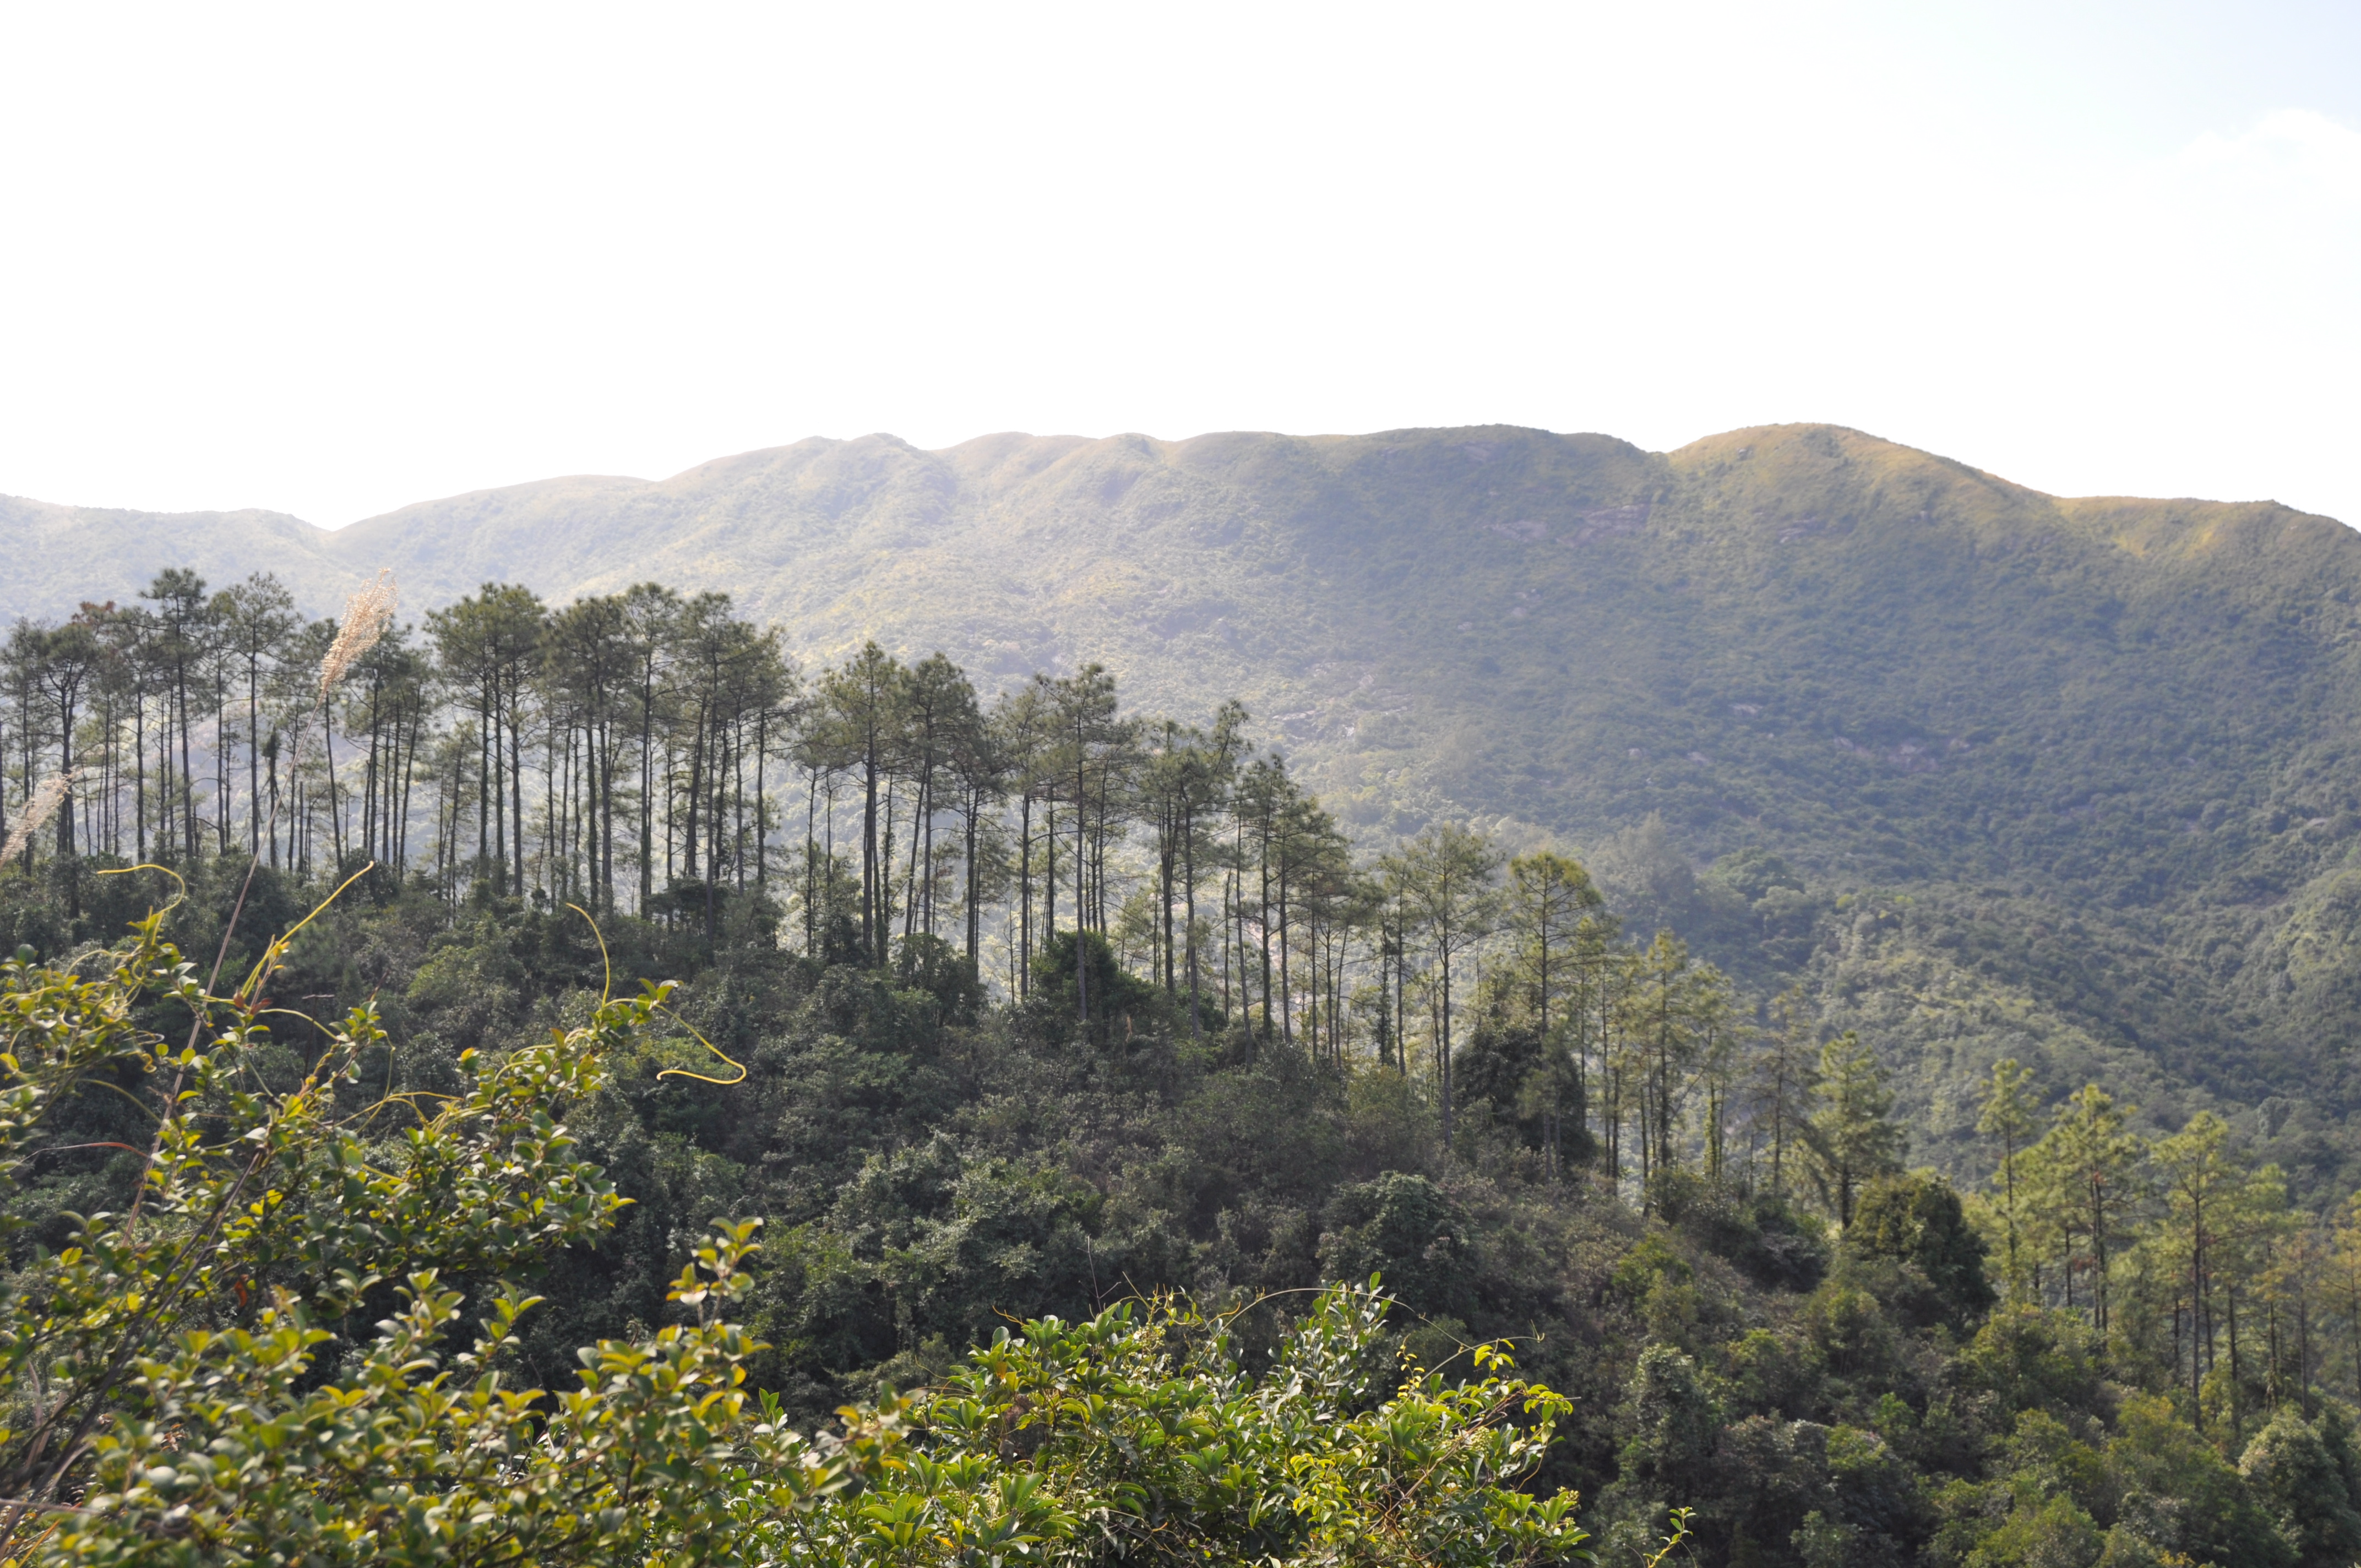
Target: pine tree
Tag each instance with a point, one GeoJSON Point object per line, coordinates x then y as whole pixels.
{"type": "Point", "coordinates": [1853, 1136]}
{"type": "Point", "coordinates": [2199, 1174]}
{"type": "Point", "coordinates": [2008, 1117]}
{"type": "Point", "coordinates": [1786, 1081]}
{"type": "Point", "coordinates": [258, 618]}
{"type": "Point", "coordinates": [1549, 896]}
{"type": "Point", "coordinates": [1445, 878]}
{"type": "Point", "coordinates": [2093, 1165]}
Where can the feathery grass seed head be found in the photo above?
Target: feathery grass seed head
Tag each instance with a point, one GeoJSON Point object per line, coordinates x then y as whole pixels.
{"type": "Point", "coordinates": [39, 810]}
{"type": "Point", "coordinates": [367, 614]}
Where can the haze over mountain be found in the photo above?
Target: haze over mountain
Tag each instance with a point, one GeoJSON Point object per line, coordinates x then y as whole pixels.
{"type": "Point", "coordinates": [1996, 772]}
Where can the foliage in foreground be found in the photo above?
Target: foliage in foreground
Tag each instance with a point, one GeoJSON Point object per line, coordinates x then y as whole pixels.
{"type": "Point", "coordinates": [196, 1380]}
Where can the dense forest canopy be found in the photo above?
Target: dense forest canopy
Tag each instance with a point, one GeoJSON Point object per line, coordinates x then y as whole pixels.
{"type": "Point", "coordinates": [1004, 1001]}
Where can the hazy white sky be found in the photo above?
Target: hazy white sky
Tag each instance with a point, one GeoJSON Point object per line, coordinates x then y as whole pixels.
{"type": "Point", "coordinates": [331, 259]}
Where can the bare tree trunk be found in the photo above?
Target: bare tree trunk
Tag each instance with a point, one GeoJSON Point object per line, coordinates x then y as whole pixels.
{"type": "Point", "coordinates": [516, 772]}
{"type": "Point", "coordinates": [1188, 876]}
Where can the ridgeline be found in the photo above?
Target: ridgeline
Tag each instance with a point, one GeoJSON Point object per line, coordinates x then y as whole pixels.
{"type": "Point", "coordinates": [1997, 774]}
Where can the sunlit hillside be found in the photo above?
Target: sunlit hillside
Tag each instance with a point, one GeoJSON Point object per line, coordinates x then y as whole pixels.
{"type": "Point", "coordinates": [2005, 773]}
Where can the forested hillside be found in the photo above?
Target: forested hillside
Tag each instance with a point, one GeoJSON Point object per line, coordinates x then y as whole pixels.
{"type": "Point", "coordinates": [1001, 1006]}
{"type": "Point", "coordinates": [2063, 780]}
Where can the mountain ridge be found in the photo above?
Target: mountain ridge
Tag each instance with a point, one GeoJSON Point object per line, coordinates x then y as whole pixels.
{"type": "Point", "coordinates": [982, 458]}
{"type": "Point", "coordinates": [2080, 764]}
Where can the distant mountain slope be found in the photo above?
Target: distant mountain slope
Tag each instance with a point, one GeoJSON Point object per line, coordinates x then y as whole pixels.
{"type": "Point", "coordinates": [2078, 772]}
{"type": "Point", "coordinates": [58, 556]}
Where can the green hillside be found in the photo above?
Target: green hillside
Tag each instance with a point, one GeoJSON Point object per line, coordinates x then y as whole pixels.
{"type": "Point", "coordinates": [2017, 827]}
{"type": "Point", "coordinates": [2062, 779]}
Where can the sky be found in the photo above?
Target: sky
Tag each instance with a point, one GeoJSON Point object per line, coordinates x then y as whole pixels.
{"type": "Point", "coordinates": [329, 261]}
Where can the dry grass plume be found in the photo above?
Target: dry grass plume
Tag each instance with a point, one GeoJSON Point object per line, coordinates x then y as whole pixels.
{"type": "Point", "coordinates": [367, 614]}
{"type": "Point", "coordinates": [38, 811]}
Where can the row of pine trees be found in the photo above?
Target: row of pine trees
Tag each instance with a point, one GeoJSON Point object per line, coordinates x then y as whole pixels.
{"type": "Point", "coordinates": [655, 753]}
{"type": "Point", "coordinates": [2189, 1260]}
